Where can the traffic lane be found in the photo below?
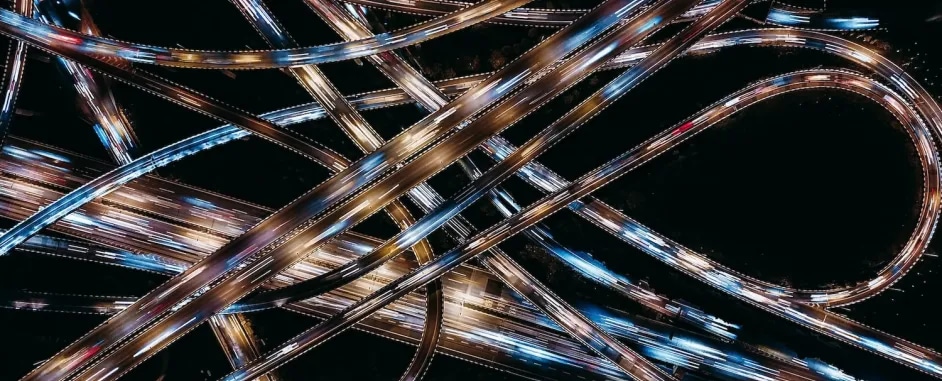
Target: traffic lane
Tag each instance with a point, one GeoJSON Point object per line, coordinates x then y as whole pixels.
{"type": "Point", "coordinates": [49, 37]}
{"type": "Point", "coordinates": [350, 179]}
{"type": "Point", "coordinates": [562, 75]}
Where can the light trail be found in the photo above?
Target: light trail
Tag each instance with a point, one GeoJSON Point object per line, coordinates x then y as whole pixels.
{"type": "Point", "coordinates": [807, 76]}
{"type": "Point", "coordinates": [498, 233]}
{"type": "Point", "coordinates": [307, 236]}
{"type": "Point", "coordinates": [328, 193]}
{"type": "Point", "coordinates": [13, 73]}
{"type": "Point", "coordinates": [573, 322]}
{"type": "Point", "coordinates": [238, 341]}
{"type": "Point", "coordinates": [425, 94]}
{"type": "Point", "coordinates": [110, 122]}
{"type": "Point", "coordinates": [405, 162]}
{"type": "Point", "coordinates": [357, 128]}
{"type": "Point", "coordinates": [551, 17]}
{"type": "Point", "coordinates": [784, 15]}
{"type": "Point", "coordinates": [20, 27]}
{"type": "Point", "coordinates": [764, 37]}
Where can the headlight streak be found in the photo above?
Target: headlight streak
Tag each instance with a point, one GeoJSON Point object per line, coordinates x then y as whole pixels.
{"type": "Point", "coordinates": [356, 128]}
{"type": "Point", "coordinates": [765, 295]}
{"type": "Point", "coordinates": [336, 189]}
{"type": "Point", "coordinates": [786, 39]}
{"type": "Point", "coordinates": [813, 20]}
{"type": "Point", "coordinates": [83, 44]}
{"type": "Point", "coordinates": [339, 261]}
{"type": "Point", "coordinates": [13, 73]}
{"type": "Point", "coordinates": [111, 124]}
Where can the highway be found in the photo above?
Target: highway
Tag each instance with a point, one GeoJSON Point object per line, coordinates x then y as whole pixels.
{"type": "Point", "coordinates": [326, 194]}
{"type": "Point", "coordinates": [238, 341]}
{"type": "Point", "coordinates": [661, 341]}
{"type": "Point", "coordinates": [544, 179]}
{"type": "Point", "coordinates": [658, 340]}
{"type": "Point", "coordinates": [817, 318]}
{"type": "Point", "coordinates": [24, 164]}
{"type": "Point", "coordinates": [741, 38]}
{"type": "Point", "coordinates": [577, 326]}
{"type": "Point", "coordinates": [403, 321]}
{"type": "Point", "coordinates": [759, 293]}
{"type": "Point", "coordinates": [520, 221]}
{"type": "Point", "coordinates": [542, 141]}
{"type": "Point", "coordinates": [836, 327]}
{"type": "Point", "coordinates": [530, 215]}
{"type": "Point", "coordinates": [17, 26]}
{"type": "Point", "coordinates": [407, 78]}
{"type": "Point", "coordinates": [779, 14]}
{"type": "Point", "coordinates": [539, 17]}
{"type": "Point", "coordinates": [110, 122]}
{"type": "Point", "coordinates": [573, 322]}
{"type": "Point", "coordinates": [327, 159]}
{"type": "Point", "coordinates": [449, 209]}
{"type": "Point", "coordinates": [37, 219]}
{"type": "Point", "coordinates": [903, 262]}
{"type": "Point", "coordinates": [540, 236]}
{"type": "Point", "coordinates": [364, 204]}
{"type": "Point", "coordinates": [425, 93]}
{"type": "Point", "coordinates": [13, 67]}
{"type": "Point", "coordinates": [358, 129]}
{"type": "Point", "coordinates": [189, 99]}
{"type": "Point", "coordinates": [34, 32]}
{"type": "Point", "coordinates": [114, 130]}
{"type": "Point", "coordinates": [54, 209]}
{"type": "Point", "coordinates": [894, 348]}
{"type": "Point", "coordinates": [785, 15]}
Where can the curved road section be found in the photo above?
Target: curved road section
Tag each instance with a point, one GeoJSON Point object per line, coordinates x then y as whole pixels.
{"type": "Point", "coordinates": [173, 296]}
{"type": "Point", "coordinates": [357, 128]}
{"type": "Point", "coordinates": [110, 122]}
{"type": "Point", "coordinates": [35, 32]}
{"type": "Point", "coordinates": [558, 200]}
{"type": "Point", "coordinates": [580, 188]}
{"type": "Point", "coordinates": [907, 87]}
{"type": "Point", "coordinates": [914, 95]}
{"type": "Point", "coordinates": [829, 45]}
{"type": "Point", "coordinates": [536, 146]}
{"type": "Point", "coordinates": [779, 37]}
{"type": "Point", "coordinates": [576, 325]}
{"type": "Point", "coordinates": [390, 187]}
{"type": "Point", "coordinates": [779, 14]}
{"type": "Point", "coordinates": [13, 73]}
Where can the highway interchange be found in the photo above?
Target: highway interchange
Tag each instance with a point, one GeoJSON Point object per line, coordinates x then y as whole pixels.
{"type": "Point", "coordinates": [482, 106]}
